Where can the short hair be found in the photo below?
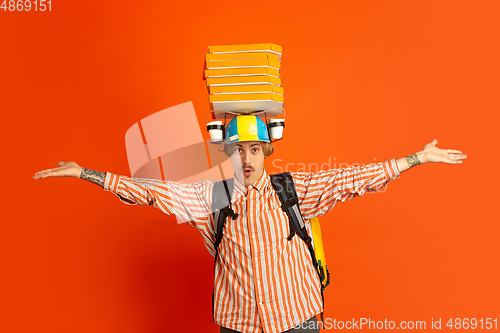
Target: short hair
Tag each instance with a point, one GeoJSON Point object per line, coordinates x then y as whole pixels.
{"type": "Point", "coordinates": [267, 148]}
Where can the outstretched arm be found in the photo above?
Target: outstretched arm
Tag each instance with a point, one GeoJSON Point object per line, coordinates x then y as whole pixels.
{"type": "Point", "coordinates": [189, 202]}
{"type": "Point", "coordinates": [430, 153]}
{"type": "Point", "coordinates": [319, 192]}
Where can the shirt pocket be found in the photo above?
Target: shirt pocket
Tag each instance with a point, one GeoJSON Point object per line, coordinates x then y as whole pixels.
{"type": "Point", "coordinates": [273, 201]}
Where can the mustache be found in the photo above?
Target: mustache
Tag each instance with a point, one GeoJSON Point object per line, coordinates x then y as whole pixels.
{"type": "Point", "coordinates": [248, 167]}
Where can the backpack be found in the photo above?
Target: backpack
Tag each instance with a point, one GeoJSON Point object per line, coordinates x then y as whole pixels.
{"type": "Point", "coordinates": [285, 189]}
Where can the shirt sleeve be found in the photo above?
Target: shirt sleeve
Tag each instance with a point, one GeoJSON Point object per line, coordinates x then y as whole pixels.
{"type": "Point", "coordinates": [319, 192]}
{"type": "Point", "coordinates": [188, 201]}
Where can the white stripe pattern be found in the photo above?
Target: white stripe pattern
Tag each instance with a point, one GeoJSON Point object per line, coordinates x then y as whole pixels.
{"type": "Point", "coordinates": [263, 282]}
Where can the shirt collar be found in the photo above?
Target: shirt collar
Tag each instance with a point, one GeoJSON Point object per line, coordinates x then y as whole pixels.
{"type": "Point", "coordinates": [260, 184]}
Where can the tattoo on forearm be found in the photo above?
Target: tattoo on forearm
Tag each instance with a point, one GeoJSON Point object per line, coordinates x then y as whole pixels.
{"type": "Point", "coordinates": [412, 160]}
{"type": "Point", "coordinates": [93, 176]}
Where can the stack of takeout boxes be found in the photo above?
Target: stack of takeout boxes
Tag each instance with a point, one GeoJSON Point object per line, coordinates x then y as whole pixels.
{"type": "Point", "coordinates": [244, 78]}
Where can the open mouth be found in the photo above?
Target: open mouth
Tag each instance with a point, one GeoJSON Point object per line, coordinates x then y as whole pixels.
{"type": "Point", "coordinates": [247, 172]}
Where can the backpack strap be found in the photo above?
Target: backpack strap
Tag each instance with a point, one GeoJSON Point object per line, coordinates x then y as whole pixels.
{"type": "Point", "coordinates": [221, 208]}
{"type": "Point", "coordinates": [285, 189]}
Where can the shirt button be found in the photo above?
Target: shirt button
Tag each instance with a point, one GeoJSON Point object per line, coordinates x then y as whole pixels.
{"type": "Point", "coordinates": [253, 236]}
{"type": "Point", "coordinates": [255, 258]}
{"type": "Point", "coordinates": [260, 303]}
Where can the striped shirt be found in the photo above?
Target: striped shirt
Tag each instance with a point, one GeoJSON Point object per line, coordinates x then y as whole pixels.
{"type": "Point", "coordinates": [263, 282]}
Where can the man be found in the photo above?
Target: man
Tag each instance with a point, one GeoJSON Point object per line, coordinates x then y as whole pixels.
{"type": "Point", "coordinates": [263, 281]}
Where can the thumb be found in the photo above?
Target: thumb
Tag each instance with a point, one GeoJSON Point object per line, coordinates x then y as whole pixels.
{"type": "Point", "coordinates": [60, 163]}
{"type": "Point", "coordinates": [435, 141]}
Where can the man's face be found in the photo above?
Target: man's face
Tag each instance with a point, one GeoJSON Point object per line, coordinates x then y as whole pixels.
{"type": "Point", "coordinates": [248, 161]}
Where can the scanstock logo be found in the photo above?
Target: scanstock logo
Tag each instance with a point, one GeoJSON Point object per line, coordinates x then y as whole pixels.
{"type": "Point", "coordinates": [168, 145]}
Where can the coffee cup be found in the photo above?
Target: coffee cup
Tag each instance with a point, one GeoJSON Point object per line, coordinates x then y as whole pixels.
{"type": "Point", "coordinates": [216, 130]}
{"type": "Point", "coordinates": [276, 128]}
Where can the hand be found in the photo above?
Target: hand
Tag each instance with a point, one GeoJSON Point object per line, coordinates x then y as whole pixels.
{"type": "Point", "coordinates": [433, 154]}
{"type": "Point", "coordinates": [65, 169]}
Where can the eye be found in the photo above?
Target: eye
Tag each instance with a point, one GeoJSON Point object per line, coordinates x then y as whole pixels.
{"type": "Point", "coordinates": [255, 150]}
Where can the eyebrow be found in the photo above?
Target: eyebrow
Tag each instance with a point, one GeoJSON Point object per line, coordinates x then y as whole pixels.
{"type": "Point", "coordinates": [252, 145]}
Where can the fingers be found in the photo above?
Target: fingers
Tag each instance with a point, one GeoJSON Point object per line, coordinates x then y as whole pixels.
{"type": "Point", "coordinates": [456, 159]}
{"type": "Point", "coordinates": [42, 174]}
{"type": "Point", "coordinates": [47, 172]}
{"type": "Point", "coordinates": [453, 151]}
{"type": "Point", "coordinates": [455, 155]}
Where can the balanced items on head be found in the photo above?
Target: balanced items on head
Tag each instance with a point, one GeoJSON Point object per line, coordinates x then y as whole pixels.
{"type": "Point", "coordinates": [244, 80]}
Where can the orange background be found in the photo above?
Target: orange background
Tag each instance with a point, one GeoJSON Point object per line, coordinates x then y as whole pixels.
{"type": "Point", "coordinates": [364, 81]}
